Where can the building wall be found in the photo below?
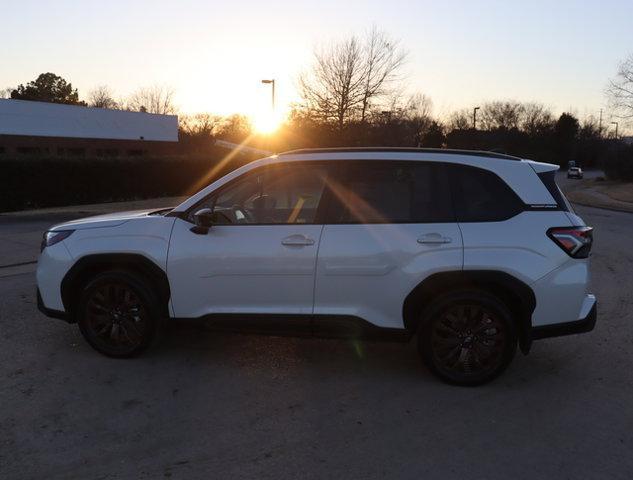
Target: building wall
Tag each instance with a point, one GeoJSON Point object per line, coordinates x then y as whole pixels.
{"type": "Point", "coordinates": [41, 119]}
{"type": "Point", "coordinates": [55, 130]}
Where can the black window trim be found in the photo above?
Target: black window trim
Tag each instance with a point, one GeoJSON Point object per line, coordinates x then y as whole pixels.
{"type": "Point", "coordinates": [549, 181]}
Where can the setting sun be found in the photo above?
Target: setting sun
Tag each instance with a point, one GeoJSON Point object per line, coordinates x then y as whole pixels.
{"type": "Point", "coordinates": [266, 122]}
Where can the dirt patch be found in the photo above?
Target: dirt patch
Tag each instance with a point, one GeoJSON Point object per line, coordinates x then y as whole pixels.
{"type": "Point", "coordinates": [602, 194]}
{"type": "Point", "coordinates": [622, 192]}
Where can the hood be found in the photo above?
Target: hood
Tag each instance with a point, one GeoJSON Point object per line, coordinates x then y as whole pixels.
{"type": "Point", "coordinates": [107, 220]}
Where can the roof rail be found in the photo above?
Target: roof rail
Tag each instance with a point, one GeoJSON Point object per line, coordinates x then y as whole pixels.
{"type": "Point", "coordinates": [443, 151]}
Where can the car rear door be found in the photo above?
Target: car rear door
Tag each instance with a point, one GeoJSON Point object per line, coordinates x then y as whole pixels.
{"type": "Point", "coordinates": [389, 226]}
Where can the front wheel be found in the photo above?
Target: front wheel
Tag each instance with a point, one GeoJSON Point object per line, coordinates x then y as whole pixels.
{"type": "Point", "coordinates": [118, 314]}
{"type": "Point", "coordinates": [467, 338]}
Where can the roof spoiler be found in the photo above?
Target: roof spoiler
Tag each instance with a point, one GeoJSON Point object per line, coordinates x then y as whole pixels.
{"type": "Point", "coordinates": [540, 167]}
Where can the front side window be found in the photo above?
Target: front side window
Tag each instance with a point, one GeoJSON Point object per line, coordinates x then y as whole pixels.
{"type": "Point", "coordinates": [391, 192]}
{"type": "Point", "coordinates": [277, 194]}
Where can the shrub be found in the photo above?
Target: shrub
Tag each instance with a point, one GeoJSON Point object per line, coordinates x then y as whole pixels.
{"type": "Point", "coordinates": [36, 183]}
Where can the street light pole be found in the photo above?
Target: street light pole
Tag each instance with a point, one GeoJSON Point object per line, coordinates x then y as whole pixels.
{"type": "Point", "coordinates": [271, 82]}
{"type": "Point", "coordinates": [616, 129]}
{"type": "Point", "coordinates": [475, 118]}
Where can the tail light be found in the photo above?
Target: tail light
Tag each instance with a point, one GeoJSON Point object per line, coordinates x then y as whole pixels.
{"type": "Point", "coordinates": [576, 241]}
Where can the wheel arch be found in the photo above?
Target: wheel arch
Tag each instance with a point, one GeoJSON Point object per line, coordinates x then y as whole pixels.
{"type": "Point", "coordinates": [517, 296]}
{"type": "Point", "coordinates": [91, 265]}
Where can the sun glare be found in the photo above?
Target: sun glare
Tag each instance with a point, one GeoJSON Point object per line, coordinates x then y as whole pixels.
{"type": "Point", "coordinates": [266, 122]}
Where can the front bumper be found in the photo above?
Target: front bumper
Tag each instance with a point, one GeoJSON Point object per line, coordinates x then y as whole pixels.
{"type": "Point", "coordinates": [582, 325]}
{"type": "Point", "coordinates": [50, 312]}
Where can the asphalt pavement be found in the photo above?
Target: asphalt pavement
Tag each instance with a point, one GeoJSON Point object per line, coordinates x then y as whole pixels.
{"type": "Point", "coordinates": [209, 405]}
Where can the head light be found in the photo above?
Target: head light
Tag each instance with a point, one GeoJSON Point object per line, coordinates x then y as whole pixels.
{"type": "Point", "coordinates": [51, 238]}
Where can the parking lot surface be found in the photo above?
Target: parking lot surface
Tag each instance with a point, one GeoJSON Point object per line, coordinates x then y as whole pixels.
{"type": "Point", "coordinates": [208, 405]}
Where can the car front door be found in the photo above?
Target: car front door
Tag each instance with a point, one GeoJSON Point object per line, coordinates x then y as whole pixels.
{"type": "Point", "coordinates": [391, 225]}
{"type": "Point", "coordinates": [260, 256]}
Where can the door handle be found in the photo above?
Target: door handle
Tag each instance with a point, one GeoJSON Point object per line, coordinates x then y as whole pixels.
{"type": "Point", "coordinates": [434, 239]}
{"type": "Point", "coordinates": [297, 241]}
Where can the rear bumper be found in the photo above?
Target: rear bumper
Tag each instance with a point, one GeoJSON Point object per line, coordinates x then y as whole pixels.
{"type": "Point", "coordinates": [50, 312]}
{"type": "Point", "coordinates": [582, 325]}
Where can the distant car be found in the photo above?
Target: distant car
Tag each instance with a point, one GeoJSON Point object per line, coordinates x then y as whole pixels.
{"type": "Point", "coordinates": [473, 252]}
{"type": "Point", "coordinates": [574, 172]}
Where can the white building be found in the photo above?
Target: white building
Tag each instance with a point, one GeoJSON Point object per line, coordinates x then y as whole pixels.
{"type": "Point", "coordinates": [39, 128]}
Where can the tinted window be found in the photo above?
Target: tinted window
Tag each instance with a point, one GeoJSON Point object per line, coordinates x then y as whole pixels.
{"type": "Point", "coordinates": [270, 195]}
{"type": "Point", "coordinates": [481, 196]}
{"type": "Point", "coordinates": [390, 192]}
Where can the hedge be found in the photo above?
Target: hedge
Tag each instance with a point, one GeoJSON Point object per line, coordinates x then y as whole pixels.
{"type": "Point", "coordinates": [618, 165]}
{"type": "Point", "coordinates": [28, 183]}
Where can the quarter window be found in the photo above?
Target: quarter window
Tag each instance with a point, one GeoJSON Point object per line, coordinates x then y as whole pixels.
{"type": "Point", "coordinates": [481, 196]}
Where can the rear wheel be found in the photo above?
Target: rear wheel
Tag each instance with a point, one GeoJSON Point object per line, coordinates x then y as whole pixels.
{"type": "Point", "coordinates": [467, 338]}
{"type": "Point", "coordinates": [118, 314]}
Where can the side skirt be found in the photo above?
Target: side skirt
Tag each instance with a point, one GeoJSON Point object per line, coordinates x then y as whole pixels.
{"type": "Point", "coordinates": [322, 326]}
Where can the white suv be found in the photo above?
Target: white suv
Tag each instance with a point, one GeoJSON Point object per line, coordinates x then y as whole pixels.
{"type": "Point", "coordinates": [475, 252]}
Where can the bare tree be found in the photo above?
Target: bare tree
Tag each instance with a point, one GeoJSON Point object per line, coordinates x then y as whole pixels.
{"type": "Point", "coordinates": [5, 92]}
{"type": "Point", "coordinates": [235, 128]}
{"type": "Point", "coordinates": [102, 97]}
{"type": "Point", "coordinates": [346, 77]}
{"type": "Point", "coordinates": [535, 118]}
{"type": "Point", "coordinates": [620, 89]}
{"type": "Point", "coordinates": [383, 58]}
{"type": "Point", "coordinates": [202, 124]}
{"type": "Point", "coordinates": [418, 106]}
{"type": "Point", "coordinates": [334, 88]}
{"type": "Point", "coordinates": [155, 99]}
{"type": "Point", "coordinates": [590, 128]}
{"type": "Point", "coordinates": [460, 120]}
{"type": "Point", "coordinates": [501, 114]}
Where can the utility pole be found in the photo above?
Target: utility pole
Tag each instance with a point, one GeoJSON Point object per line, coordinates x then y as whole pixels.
{"type": "Point", "coordinates": [475, 118]}
{"type": "Point", "coordinates": [616, 129]}
{"type": "Point", "coordinates": [271, 82]}
{"type": "Point", "coordinates": [600, 124]}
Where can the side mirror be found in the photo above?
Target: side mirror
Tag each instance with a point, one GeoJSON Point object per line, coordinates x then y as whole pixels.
{"type": "Point", "coordinates": [204, 217]}
{"type": "Point", "coordinates": [203, 220]}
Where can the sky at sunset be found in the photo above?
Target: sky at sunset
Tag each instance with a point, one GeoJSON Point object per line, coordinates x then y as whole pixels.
{"type": "Point", "coordinates": [214, 54]}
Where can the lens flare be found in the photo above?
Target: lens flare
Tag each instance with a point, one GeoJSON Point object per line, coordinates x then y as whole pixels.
{"type": "Point", "coordinates": [266, 122]}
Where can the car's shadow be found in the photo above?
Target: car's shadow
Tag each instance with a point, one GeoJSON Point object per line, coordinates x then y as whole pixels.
{"type": "Point", "coordinates": [198, 342]}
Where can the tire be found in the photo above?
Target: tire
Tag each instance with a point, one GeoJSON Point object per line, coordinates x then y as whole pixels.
{"type": "Point", "coordinates": [467, 338]}
{"type": "Point", "coordinates": [118, 314]}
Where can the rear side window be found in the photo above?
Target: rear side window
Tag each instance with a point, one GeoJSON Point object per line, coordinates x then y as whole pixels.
{"type": "Point", "coordinates": [481, 196]}
{"type": "Point", "coordinates": [391, 192]}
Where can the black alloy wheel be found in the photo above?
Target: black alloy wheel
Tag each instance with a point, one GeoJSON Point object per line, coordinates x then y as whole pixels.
{"type": "Point", "coordinates": [468, 339]}
{"type": "Point", "coordinates": [118, 314]}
